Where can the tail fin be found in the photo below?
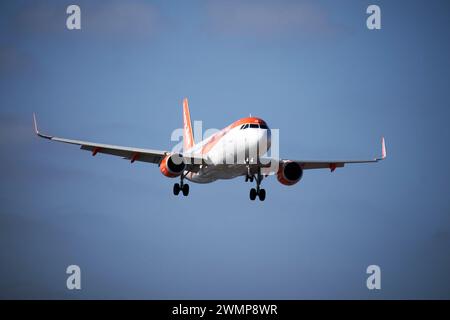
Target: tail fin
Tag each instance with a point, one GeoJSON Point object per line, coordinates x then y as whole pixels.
{"type": "Point", "coordinates": [188, 138]}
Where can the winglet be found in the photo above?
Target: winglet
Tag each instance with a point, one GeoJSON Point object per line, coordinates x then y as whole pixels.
{"type": "Point", "coordinates": [36, 130]}
{"type": "Point", "coordinates": [383, 149]}
{"type": "Point", "coordinates": [35, 124]}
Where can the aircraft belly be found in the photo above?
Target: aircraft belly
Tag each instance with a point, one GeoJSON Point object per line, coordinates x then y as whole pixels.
{"type": "Point", "coordinates": [213, 173]}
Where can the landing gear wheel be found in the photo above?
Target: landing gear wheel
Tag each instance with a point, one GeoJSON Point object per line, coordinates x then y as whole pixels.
{"type": "Point", "coordinates": [253, 194]}
{"type": "Point", "coordinates": [185, 189]}
{"type": "Point", "coordinates": [176, 189]}
{"type": "Point", "coordinates": [262, 194]}
{"type": "Point", "coordinates": [258, 192]}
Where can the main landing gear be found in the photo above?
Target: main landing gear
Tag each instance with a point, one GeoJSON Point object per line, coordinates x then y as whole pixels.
{"type": "Point", "coordinates": [258, 192]}
{"type": "Point", "coordinates": [183, 187]}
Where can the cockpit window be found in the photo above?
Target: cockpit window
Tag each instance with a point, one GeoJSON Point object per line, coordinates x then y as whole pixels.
{"type": "Point", "coordinates": [254, 126]}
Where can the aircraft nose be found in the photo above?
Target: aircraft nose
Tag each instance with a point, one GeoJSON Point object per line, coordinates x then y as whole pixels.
{"type": "Point", "coordinates": [264, 138]}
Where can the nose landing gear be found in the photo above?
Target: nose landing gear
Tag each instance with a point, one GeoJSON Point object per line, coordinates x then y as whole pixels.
{"type": "Point", "coordinates": [258, 192]}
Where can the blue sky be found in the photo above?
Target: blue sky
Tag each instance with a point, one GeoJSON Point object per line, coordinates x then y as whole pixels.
{"type": "Point", "coordinates": [310, 68]}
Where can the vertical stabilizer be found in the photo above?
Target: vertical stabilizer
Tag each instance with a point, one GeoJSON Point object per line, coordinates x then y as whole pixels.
{"type": "Point", "coordinates": [188, 137]}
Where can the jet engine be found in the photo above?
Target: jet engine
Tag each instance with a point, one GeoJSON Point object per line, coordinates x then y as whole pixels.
{"type": "Point", "coordinates": [172, 165]}
{"type": "Point", "coordinates": [289, 173]}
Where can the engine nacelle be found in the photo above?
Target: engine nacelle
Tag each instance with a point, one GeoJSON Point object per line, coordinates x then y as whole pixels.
{"type": "Point", "coordinates": [172, 165]}
{"type": "Point", "coordinates": [289, 173]}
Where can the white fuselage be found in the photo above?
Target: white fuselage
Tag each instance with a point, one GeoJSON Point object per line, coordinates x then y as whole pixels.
{"type": "Point", "coordinates": [227, 150]}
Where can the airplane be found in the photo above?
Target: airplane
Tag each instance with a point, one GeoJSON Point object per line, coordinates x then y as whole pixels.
{"type": "Point", "coordinates": [205, 161]}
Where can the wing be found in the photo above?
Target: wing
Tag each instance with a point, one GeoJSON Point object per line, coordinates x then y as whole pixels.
{"type": "Point", "coordinates": [329, 164]}
{"type": "Point", "coordinates": [130, 153]}
{"type": "Point", "coordinates": [333, 164]}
